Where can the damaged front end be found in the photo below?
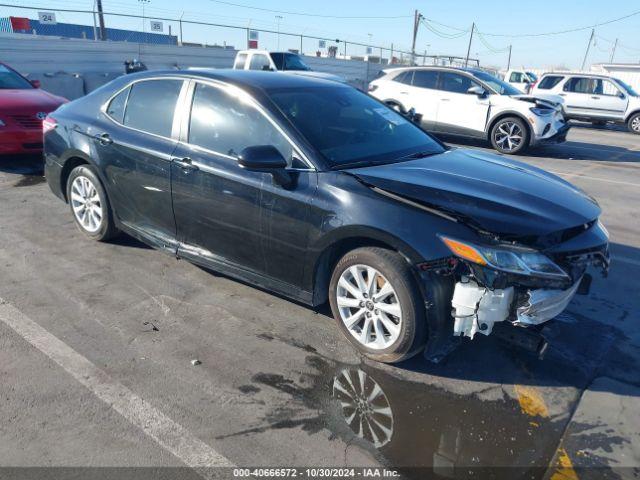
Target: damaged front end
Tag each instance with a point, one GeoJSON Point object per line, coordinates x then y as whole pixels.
{"type": "Point", "coordinates": [509, 283]}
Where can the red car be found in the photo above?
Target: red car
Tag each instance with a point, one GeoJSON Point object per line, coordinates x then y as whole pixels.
{"type": "Point", "coordinates": [23, 106]}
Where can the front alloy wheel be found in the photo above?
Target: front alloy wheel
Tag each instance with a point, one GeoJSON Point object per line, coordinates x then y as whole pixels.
{"type": "Point", "coordinates": [369, 307]}
{"type": "Point", "coordinates": [377, 304]}
{"type": "Point", "coordinates": [509, 136]}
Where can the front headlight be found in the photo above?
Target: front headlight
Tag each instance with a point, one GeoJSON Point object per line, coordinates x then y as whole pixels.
{"type": "Point", "coordinates": [505, 259]}
{"type": "Point", "coordinates": [541, 112]}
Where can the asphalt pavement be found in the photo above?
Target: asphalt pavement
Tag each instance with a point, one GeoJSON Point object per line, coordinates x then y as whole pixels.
{"type": "Point", "coordinates": [97, 343]}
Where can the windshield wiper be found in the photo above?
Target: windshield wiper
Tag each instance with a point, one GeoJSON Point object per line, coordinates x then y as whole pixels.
{"type": "Point", "coordinates": [416, 155]}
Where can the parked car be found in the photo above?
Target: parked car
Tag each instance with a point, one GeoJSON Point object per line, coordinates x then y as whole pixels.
{"type": "Point", "coordinates": [23, 106]}
{"type": "Point", "coordinates": [593, 98]}
{"type": "Point", "coordinates": [315, 190]}
{"type": "Point", "coordinates": [473, 103]}
{"type": "Point", "coordinates": [521, 79]}
{"type": "Point", "coordinates": [278, 62]}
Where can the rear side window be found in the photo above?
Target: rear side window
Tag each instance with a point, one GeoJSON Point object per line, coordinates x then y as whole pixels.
{"type": "Point", "coordinates": [549, 82]}
{"type": "Point", "coordinates": [516, 77]}
{"type": "Point", "coordinates": [453, 82]}
{"type": "Point", "coordinates": [116, 108]}
{"type": "Point", "coordinates": [425, 78]}
{"type": "Point", "coordinates": [240, 61]}
{"type": "Point", "coordinates": [258, 62]}
{"type": "Point", "coordinates": [404, 77]}
{"type": "Point", "coordinates": [151, 106]}
{"type": "Point", "coordinates": [223, 123]}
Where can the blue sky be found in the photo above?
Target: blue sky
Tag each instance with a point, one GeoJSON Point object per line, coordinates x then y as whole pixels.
{"type": "Point", "coordinates": [491, 17]}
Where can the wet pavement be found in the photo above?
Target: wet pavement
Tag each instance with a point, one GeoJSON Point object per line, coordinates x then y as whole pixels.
{"type": "Point", "coordinates": [278, 386]}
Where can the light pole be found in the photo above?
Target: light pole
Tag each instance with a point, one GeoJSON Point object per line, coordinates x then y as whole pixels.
{"type": "Point", "coordinates": [143, 3]}
{"type": "Point", "coordinates": [279, 18]}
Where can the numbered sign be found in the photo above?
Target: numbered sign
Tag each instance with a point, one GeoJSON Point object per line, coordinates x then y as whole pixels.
{"type": "Point", "coordinates": [156, 26]}
{"type": "Point", "coordinates": [253, 35]}
{"type": "Point", "coordinates": [322, 44]}
{"type": "Point", "coordinates": [47, 18]}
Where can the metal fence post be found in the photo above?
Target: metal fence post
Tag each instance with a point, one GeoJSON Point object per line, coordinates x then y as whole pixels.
{"type": "Point", "coordinates": [301, 45]}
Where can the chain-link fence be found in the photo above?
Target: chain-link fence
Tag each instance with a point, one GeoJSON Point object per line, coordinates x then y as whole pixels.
{"type": "Point", "coordinates": [144, 29]}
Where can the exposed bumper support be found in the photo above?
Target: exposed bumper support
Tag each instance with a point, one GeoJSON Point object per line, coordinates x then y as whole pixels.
{"type": "Point", "coordinates": [543, 305]}
{"type": "Point", "coordinates": [476, 309]}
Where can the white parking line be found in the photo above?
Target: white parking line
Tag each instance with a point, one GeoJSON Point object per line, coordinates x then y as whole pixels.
{"type": "Point", "coordinates": [579, 175]}
{"type": "Point", "coordinates": [630, 261]}
{"type": "Point", "coordinates": [170, 435]}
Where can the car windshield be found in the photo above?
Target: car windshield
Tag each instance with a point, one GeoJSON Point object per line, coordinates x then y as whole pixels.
{"type": "Point", "coordinates": [288, 61]}
{"type": "Point", "coordinates": [351, 129]}
{"type": "Point", "coordinates": [11, 80]}
{"type": "Point", "coordinates": [500, 86]}
{"type": "Point", "coordinates": [628, 88]}
{"type": "Point", "coordinates": [532, 76]}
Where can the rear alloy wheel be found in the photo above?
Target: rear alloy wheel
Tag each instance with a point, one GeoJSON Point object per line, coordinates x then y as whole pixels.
{"type": "Point", "coordinates": [89, 204]}
{"type": "Point", "coordinates": [376, 304]}
{"type": "Point", "coordinates": [509, 135]}
{"type": "Point", "coordinates": [634, 124]}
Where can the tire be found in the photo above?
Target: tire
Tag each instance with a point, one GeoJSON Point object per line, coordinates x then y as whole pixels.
{"type": "Point", "coordinates": [634, 123]}
{"type": "Point", "coordinates": [394, 344]}
{"type": "Point", "coordinates": [90, 205]}
{"type": "Point", "coordinates": [506, 132]}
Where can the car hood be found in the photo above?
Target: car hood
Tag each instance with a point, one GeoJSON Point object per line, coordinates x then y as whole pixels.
{"type": "Point", "coordinates": [504, 197]}
{"type": "Point", "coordinates": [311, 73]}
{"type": "Point", "coordinates": [546, 99]}
{"type": "Point", "coordinates": [31, 100]}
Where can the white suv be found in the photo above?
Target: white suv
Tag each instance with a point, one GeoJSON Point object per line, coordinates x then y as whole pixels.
{"type": "Point", "coordinates": [470, 102]}
{"type": "Point", "coordinates": [593, 98]}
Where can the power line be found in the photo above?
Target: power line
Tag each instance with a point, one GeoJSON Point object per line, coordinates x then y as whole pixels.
{"type": "Point", "coordinates": [302, 14]}
{"type": "Point", "coordinates": [558, 32]}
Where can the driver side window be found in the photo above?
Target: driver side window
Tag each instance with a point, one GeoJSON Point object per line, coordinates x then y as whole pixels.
{"type": "Point", "coordinates": [224, 123]}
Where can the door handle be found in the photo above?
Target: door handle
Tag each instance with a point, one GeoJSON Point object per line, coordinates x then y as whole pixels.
{"type": "Point", "coordinates": [562, 94]}
{"type": "Point", "coordinates": [445, 99]}
{"type": "Point", "coordinates": [404, 93]}
{"type": "Point", "coordinates": [103, 139]}
{"type": "Point", "coordinates": [595, 98]}
{"type": "Point", "coordinates": [185, 164]}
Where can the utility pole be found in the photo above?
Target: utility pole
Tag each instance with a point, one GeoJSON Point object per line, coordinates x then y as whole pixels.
{"type": "Point", "coordinates": [279, 18]}
{"type": "Point", "coordinates": [466, 61]}
{"type": "Point", "coordinates": [586, 54]}
{"type": "Point", "coordinates": [509, 61]}
{"type": "Point", "coordinates": [613, 52]}
{"type": "Point", "coordinates": [416, 22]}
{"type": "Point", "coordinates": [103, 33]}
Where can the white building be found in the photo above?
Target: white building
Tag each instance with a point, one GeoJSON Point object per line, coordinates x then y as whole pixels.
{"type": "Point", "coordinates": [627, 72]}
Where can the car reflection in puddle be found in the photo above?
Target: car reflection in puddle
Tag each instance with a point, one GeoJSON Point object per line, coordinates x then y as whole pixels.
{"type": "Point", "coordinates": [423, 430]}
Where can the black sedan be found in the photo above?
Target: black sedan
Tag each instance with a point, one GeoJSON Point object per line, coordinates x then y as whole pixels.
{"type": "Point", "coordinates": [316, 191]}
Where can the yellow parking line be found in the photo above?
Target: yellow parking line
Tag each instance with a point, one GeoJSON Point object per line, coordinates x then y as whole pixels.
{"type": "Point", "coordinates": [563, 467]}
{"type": "Point", "coordinates": [531, 401]}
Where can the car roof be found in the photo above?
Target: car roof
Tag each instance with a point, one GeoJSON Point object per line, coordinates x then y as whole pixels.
{"type": "Point", "coordinates": [436, 67]}
{"type": "Point", "coordinates": [576, 74]}
{"type": "Point", "coordinates": [245, 79]}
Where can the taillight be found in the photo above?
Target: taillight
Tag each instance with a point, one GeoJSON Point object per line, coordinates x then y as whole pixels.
{"type": "Point", "coordinates": [372, 87]}
{"type": "Point", "coordinates": [49, 124]}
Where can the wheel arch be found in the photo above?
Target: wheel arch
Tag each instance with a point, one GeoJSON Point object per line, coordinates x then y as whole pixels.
{"type": "Point", "coordinates": [72, 159]}
{"type": "Point", "coordinates": [335, 245]}
{"type": "Point", "coordinates": [392, 101]}
{"type": "Point", "coordinates": [630, 115]}
{"type": "Point", "coordinates": [506, 114]}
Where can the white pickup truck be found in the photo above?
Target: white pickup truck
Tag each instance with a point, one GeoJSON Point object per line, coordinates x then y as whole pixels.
{"type": "Point", "coordinates": [287, 62]}
{"type": "Point", "coordinates": [523, 80]}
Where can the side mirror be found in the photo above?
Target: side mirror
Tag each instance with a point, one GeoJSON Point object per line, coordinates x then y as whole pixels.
{"type": "Point", "coordinates": [477, 90]}
{"type": "Point", "coordinates": [266, 158]}
{"type": "Point", "coordinates": [35, 83]}
{"type": "Point", "coordinates": [267, 68]}
{"type": "Point", "coordinates": [621, 95]}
